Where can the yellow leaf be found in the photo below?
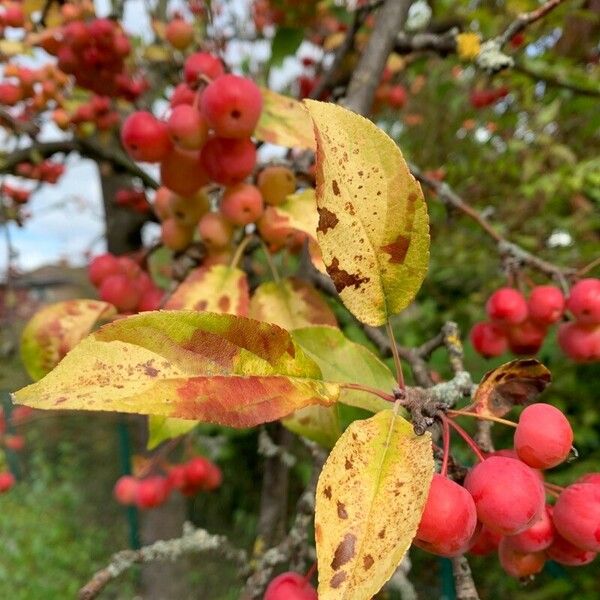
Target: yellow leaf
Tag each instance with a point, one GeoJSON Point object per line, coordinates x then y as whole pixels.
{"type": "Point", "coordinates": [284, 121]}
{"type": "Point", "coordinates": [290, 303]}
{"type": "Point", "coordinates": [370, 497]}
{"type": "Point", "coordinates": [468, 45]}
{"type": "Point", "coordinates": [373, 225]}
{"type": "Point", "coordinates": [395, 63]}
{"type": "Point", "coordinates": [13, 47]}
{"type": "Point", "coordinates": [217, 288]}
{"type": "Point", "coordinates": [55, 330]}
{"type": "Point", "coordinates": [299, 211]}
{"type": "Point", "coordinates": [209, 367]}
{"type": "Point", "coordinates": [293, 303]}
{"type": "Point", "coordinates": [333, 41]}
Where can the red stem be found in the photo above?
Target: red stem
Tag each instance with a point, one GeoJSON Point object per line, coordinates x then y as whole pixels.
{"type": "Point", "coordinates": [310, 572]}
{"type": "Point", "coordinates": [369, 390]}
{"type": "Point", "coordinates": [465, 436]}
{"type": "Point", "coordinates": [446, 444]}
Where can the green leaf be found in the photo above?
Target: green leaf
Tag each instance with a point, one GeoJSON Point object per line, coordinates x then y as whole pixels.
{"type": "Point", "coordinates": [343, 361]}
{"type": "Point", "coordinates": [285, 43]}
{"type": "Point", "coordinates": [161, 429]}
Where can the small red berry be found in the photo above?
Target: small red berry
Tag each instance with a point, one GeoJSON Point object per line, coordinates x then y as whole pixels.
{"type": "Point", "coordinates": [507, 306]}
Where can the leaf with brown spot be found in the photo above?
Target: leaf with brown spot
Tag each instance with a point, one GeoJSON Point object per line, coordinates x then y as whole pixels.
{"type": "Point", "coordinates": [209, 367]}
{"type": "Point", "coordinates": [518, 382]}
{"type": "Point", "coordinates": [56, 329]}
{"type": "Point", "coordinates": [217, 288]}
{"type": "Point", "coordinates": [293, 303]}
{"type": "Point", "coordinates": [373, 205]}
{"type": "Point", "coordinates": [284, 121]}
{"type": "Point", "coordinates": [299, 211]}
{"type": "Point", "coordinates": [354, 559]}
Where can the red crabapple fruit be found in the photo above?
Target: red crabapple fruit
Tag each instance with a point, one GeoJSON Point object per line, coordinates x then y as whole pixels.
{"type": "Point", "coordinates": [7, 480]}
{"type": "Point", "coordinates": [242, 204]}
{"type": "Point", "coordinates": [145, 137]}
{"type": "Point", "coordinates": [565, 553]}
{"type": "Point", "coordinates": [187, 127]}
{"type": "Point", "coordinates": [179, 33]}
{"type": "Point", "coordinates": [228, 161]}
{"type": "Point", "coordinates": [150, 300]}
{"type": "Point", "coordinates": [519, 564]}
{"type": "Point", "coordinates": [101, 267]}
{"type": "Point", "coordinates": [484, 541]}
{"type": "Point", "coordinates": [508, 495]}
{"type": "Point", "coordinates": [215, 230]}
{"type": "Point", "coordinates": [576, 515]}
{"type": "Point", "coordinates": [590, 478]}
{"type": "Point", "coordinates": [543, 437]}
{"type": "Point", "coordinates": [526, 338]}
{"type": "Point", "coordinates": [448, 520]}
{"type": "Point", "coordinates": [489, 339]}
{"type": "Point", "coordinates": [201, 63]}
{"type": "Point", "coordinates": [507, 306]}
{"type": "Point", "coordinates": [182, 173]}
{"type": "Point", "coordinates": [188, 211]}
{"type": "Point", "coordinates": [175, 236]}
{"type": "Point", "coordinates": [546, 304]}
{"type": "Point", "coordinates": [151, 492]}
{"type": "Point", "coordinates": [162, 203]}
{"type": "Point", "coordinates": [232, 106]}
{"type": "Point", "coordinates": [579, 342]}
{"type": "Point", "coordinates": [120, 291]}
{"type": "Point", "coordinates": [125, 490]}
{"type": "Point", "coordinates": [584, 301]}
{"type": "Point", "coordinates": [538, 537]}
{"type": "Point", "coordinates": [290, 586]}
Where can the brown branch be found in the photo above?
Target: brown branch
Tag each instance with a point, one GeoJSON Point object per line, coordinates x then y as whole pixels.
{"type": "Point", "coordinates": [525, 19]}
{"type": "Point", "coordinates": [365, 79]}
{"type": "Point", "coordinates": [192, 541]}
{"type": "Point", "coordinates": [441, 43]}
{"type": "Point", "coordinates": [296, 539]}
{"type": "Point", "coordinates": [506, 248]}
{"type": "Point", "coordinates": [85, 147]}
{"type": "Point", "coordinates": [555, 81]}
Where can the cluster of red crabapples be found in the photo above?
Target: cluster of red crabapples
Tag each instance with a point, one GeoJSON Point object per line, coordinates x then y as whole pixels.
{"type": "Point", "coordinates": [47, 171]}
{"type": "Point", "coordinates": [502, 505]}
{"type": "Point", "coordinates": [132, 198]}
{"type": "Point", "coordinates": [206, 139]}
{"type": "Point", "coordinates": [196, 475]}
{"type": "Point", "coordinates": [124, 284]}
{"type": "Point", "coordinates": [520, 325]}
{"type": "Point", "coordinates": [97, 111]}
{"type": "Point", "coordinates": [94, 52]}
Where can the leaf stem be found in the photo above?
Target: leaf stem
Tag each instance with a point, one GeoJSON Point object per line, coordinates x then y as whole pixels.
{"type": "Point", "coordinates": [239, 251]}
{"type": "Point", "coordinates": [466, 437]}
{"type": "Point", "coordinates": [464, 413]}
{"type": "Point", "coordinates": [310, 572]}
{"type": "Point", "coordinates": [396, 355]}
{"type": "Point", "coordinates": [270, 261]}
{"type": "Point", "coordinates": [446, 444]}
{"type": "Point", "coordinates": [369, 390]}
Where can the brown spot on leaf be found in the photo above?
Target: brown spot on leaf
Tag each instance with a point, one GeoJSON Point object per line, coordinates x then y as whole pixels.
{"type": "Point", "coordinates": [341, 510]}
{"type": "Point", "coordinates": [150, 370]}
{"type": "Point", "coordinates": [368, 562]}
{"type": "Point", "coordinates": [327, 492]}
{"type": "Point", "coordinates": [335, 187]}
{"type": "Point", "coordinates": [342, 279]}
{"type": "Point", "coordinates": [224, 303]}
{"type": "Point", "coordinates": [344, 552]}
{"type": "Point", "coordinates": [397, 249]}
{"type": "Point", "coordinates": [381, 534]}
{"type": "Point", "coordinates": [327, 220]}
{"type": "Point", "coordinates": [338, 579]}
{"type": "Point", "coordinates": [348, 464]}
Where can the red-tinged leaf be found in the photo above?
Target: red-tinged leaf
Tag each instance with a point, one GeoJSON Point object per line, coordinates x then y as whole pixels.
{"type": "Point", "coordinates": [518, 382]}
{"type": "Point", "coordinates": [284, 121]}
{"type": "Point", "coordinates": [209, 367]}
{"type": "Point", "coordinates": [56, 329]}
{"type": "Point", "coordinates": [217, 288]}
{"type": "Point", "coordinates": [293, 303]}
